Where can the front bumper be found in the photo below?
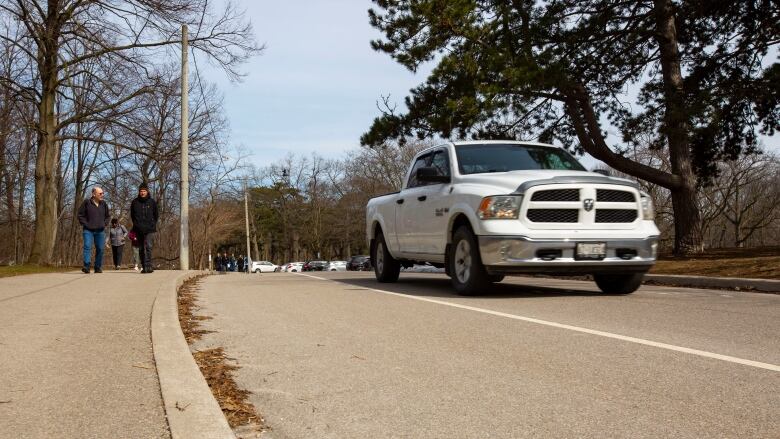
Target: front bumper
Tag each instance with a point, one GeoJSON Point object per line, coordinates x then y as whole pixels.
{"type": "Point", "coordinates": [519, 254]}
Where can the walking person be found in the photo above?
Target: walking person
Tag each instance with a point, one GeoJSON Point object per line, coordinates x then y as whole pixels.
{"type": "Point", "coordinates": [143, 211]}
{"type": "Point", "coordinates": [133, 237]}
{"type": "Point", "coordinates": [117, 235]}
{"type": "Point", "coordinates": [94, 216]}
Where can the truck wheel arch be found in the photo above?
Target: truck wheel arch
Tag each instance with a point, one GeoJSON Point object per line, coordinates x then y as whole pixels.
{"type": "Point", "coordinates": [456, 221]}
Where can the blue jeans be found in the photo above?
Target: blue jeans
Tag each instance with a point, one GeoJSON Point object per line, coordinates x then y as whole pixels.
{"type": "Point", "coordinates": [98, 239]}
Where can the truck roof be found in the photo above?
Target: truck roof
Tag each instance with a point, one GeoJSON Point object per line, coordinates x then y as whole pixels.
{"type": "Point", "coordinates": [488, 142]}
{"type": "Point", "coordinates": [502, 142]}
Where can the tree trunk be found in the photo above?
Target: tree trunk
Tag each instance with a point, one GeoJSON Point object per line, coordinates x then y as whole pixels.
{"type": "Point", "coordinates": [47, 158]}
{"type": "Point", "coordinates": [687, 218]}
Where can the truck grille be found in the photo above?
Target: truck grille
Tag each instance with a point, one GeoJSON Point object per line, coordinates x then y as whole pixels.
{"type": "Point", "coordinates": [613, 196]}
{"type": "Point", "coordinates": [553, 215]}
{"type": "Point", "coordinates": [586, 207]}
{"type": "Point", "coordinates": [615, 215]}
{"type": "Point", "coordinates": [557, 195]}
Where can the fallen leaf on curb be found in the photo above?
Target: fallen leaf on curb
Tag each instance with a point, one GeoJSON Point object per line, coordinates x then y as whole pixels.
{"type": "Point", "coordinates": [359, 358]}
{"type": "Point", "coordinates": [143, 366]}
{"type": "Point", "coordinates": [216, 367]}
{"type": "Point", "coordinates": [180, 408]}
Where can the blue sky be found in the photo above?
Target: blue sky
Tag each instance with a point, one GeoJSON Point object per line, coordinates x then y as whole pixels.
{"type": "Point", "coordinates": [315, 87]}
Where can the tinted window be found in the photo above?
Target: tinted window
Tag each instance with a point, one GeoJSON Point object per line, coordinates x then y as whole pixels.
{"type": "Point", "coordinates": [421, 162]}
{"type": "Point", "coordinates": [441, 162]}
{"type": "Point", "coordinates": [476, 159]}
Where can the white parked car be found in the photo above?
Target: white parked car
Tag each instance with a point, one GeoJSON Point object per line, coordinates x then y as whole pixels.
{"type": "Point", "coordinates": [293, 267]}
{"type": "Point", "coordinates": [485, 209]}
{"type": "Point", "coordinates": [263, 267]}
{"type": "Point", "coordinates": [336, 266]}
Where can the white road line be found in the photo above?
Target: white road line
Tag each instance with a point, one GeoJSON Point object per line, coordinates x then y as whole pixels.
{"type": "Point", "coordinates": [636, 340]}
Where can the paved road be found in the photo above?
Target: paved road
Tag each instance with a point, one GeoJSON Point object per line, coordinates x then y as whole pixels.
{"type": "Point", "coordinates": [332, 357]}
{"type": "Point", "coordinates": [76, 356]}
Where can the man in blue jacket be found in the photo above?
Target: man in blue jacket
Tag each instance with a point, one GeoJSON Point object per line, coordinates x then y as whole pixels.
{"type": "Point", "coordinates": [143, 212]}
{"type": "Point", "coordinates": [94, 216]}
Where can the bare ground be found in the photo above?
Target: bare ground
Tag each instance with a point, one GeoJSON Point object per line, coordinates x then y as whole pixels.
{"type": "Point", "coordinates": [759, 263]}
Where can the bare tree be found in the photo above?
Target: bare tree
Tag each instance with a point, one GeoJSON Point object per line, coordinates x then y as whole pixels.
{"type": "Point", "coordinates": [61, 36]}
{"type": "Point", "coordinates": [745, 197]}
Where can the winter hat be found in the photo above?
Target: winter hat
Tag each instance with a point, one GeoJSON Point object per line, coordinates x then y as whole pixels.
{"type": "Point", "coordinates": [143, 186]}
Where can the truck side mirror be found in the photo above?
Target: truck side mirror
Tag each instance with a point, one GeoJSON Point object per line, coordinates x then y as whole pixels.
{"type": "Point", "coordinates": [431, 175]}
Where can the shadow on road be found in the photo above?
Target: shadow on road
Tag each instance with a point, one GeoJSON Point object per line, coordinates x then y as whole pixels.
{"type": "Point", "coordinates": [430, 286]}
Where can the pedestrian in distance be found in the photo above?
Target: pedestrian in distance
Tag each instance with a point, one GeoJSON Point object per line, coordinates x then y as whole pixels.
{"type": "Point", "coordinates": [117, 235]}
{"type": "Point", "coordinates": [232, 262]}
{"type": "Point", "coordinates": [136, 248]}
{"type": "Point", "coordinates": [94, 216]}
{"type": "Point", "coordinates": [143, 211]}
{"type": "Point", "coordinates": [240, 264]}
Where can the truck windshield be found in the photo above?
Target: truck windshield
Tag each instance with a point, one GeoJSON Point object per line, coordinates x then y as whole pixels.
{"type": "Point", "coordinates": [482, 158]}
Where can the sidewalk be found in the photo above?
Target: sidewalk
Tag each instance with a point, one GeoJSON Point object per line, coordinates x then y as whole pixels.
{"type": "Point", "coordinates": [76, 356]}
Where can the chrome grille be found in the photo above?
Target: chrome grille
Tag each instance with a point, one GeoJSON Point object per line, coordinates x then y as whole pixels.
{"type": "Point", "coordinates": [557, 195]}
{"type": "Point", "coordinates": [553, 215]}
{"type": "Point", "coordinates": [616, 215]}
{"type": "Point", "coordinates": [613, 196]}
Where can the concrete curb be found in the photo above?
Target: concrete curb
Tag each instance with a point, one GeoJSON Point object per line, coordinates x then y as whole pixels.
{"type": "Point", "coordinates": [190, 407]}
{"type": "Point", "coordinates": [763, 285]}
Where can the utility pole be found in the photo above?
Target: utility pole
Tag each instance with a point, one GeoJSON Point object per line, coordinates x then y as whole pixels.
{"type": "Point", "coordinates": [246, 215]}
{"type": "Point", "coordinates": [184, 235]}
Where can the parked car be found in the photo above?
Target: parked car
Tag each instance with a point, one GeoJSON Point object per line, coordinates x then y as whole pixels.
{"type": "Point", "coordinates": [486, 209]}
{"type": "Point", "coordinates": [293, 267]}
{"type": "Point", "coordinates": [263, 267]}
{"type": "Point", "coordinates": [359, 263]}
{"type": "Point", "coordinates": [315, 265]}
{"type": "Point", "coordinates": [336, 266]}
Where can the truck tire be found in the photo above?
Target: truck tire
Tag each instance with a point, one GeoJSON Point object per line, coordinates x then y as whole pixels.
{"type": "Point", "coordinates": [468, 275]}
{"type": "Point", "coordinates": [386, 267]}
{"type": "Point", "coordinates": [618, 284]}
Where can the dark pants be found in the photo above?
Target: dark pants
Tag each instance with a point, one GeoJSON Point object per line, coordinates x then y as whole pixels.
{"type": "Point", "coordinates": [116, 252]}
{"type": "Point", "coordinates": [145, 248]}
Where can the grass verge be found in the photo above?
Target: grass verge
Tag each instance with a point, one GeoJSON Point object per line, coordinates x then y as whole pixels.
{"type": "Point", "coordinates": [215, 365]}
{"type": "Point", "coordinates": [19, 270]}
{"type": "Point", "coordinates": [759, 263]}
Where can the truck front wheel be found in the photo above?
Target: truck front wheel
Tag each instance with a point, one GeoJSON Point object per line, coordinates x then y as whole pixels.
{"type": "Point", "coordinates": [386, 267]}
{"type": "Point", "coordinates": [468, 275]}
{"type": "Point", "coordinates": [618, 283]}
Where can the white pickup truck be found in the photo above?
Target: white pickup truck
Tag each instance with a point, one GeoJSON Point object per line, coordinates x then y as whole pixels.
{"type": "Point", "coordinates": [486, 209]}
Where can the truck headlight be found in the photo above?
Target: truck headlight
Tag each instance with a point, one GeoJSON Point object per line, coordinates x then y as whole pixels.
{"type": "Point", "coordinates": [500, 207]}
{"type": "Point", "coordinates": [648, 213]}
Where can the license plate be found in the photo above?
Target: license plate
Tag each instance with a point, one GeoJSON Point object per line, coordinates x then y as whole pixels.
{"type": "Point", "coordinates": [591, 250]}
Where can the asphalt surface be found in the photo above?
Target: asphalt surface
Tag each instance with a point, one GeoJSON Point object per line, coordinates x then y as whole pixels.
{"type": "Point", "coordinates": [76, 356]}
{"type": "Point", "coordinates": [341, 356]}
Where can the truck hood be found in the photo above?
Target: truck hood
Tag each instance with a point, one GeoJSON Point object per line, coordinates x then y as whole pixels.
{"type": "Point", "coordinates": [509, 182]}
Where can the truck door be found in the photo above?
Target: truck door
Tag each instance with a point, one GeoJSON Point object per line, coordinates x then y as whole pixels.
{"type": "Point", "coordinates": [433, 203]}
{"type": "Point", "coordinates": [406, 220]}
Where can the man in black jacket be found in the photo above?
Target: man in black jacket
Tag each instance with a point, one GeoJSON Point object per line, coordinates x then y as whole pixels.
{"type": "Point", "coordinates": [143, 212]}
{"type": "Point", "coordinates": [94, 216]}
